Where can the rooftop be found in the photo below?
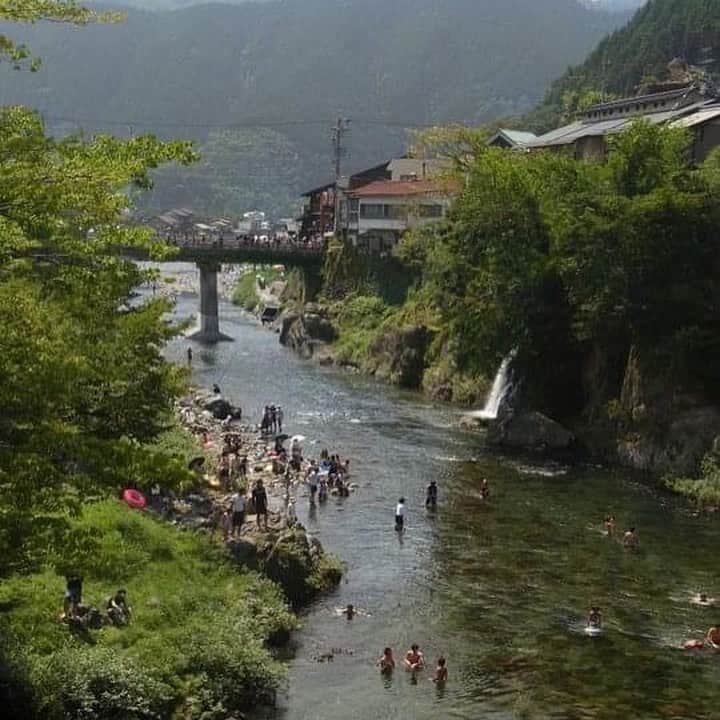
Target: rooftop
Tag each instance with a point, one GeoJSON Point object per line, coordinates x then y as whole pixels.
{"type": "Point", "coordinates": [514, 137]}
{"type": "Point", "coordinates": [400, 188]}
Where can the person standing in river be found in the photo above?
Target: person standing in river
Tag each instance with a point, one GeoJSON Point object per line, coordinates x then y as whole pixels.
{"type": "Point", "coordinates": [431, 496]}
{"type": "Point", "coordinates": [631, 540]}
{"type": "Point", "coordinates": [280, 417]}
{"type": "Point", "coordinates": [259, 495]}
{"type": "Point", "coordinates": [273, 418]}
{"type": "Point", "coordinates": [400, 515]}
{"type": "Point", "coordinates": [189, 356]}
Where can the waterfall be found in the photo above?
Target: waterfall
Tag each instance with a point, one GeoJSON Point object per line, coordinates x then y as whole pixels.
{"type": "Point", "coordinates": [499, 390]}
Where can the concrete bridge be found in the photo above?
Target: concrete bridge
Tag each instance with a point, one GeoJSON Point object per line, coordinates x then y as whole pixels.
{"type": "Point", "coordinates": [210, 254]}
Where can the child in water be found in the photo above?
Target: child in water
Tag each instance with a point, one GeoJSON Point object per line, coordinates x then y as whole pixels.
{"type": "Point", "coordinates": [441, 673]}
{"type": "Point", "coordinates": [386, 661]}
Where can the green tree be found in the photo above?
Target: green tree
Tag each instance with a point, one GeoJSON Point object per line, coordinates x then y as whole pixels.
{"type": "Point", "coordinates": [84, 382]}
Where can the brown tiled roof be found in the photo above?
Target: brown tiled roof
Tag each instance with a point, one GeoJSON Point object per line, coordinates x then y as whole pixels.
{"type": "Point", "coordinates": [400, 188]}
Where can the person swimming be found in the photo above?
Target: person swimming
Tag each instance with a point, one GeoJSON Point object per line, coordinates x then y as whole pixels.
{"type": "Point", "coordinates": [631, 539]}
{"type": "Point", "coordinates": [441, 672]}
{"type": "Point", "coordinates": [386, 661]}
{"type": "Point", "coordinates": [414, 659]}
{"type": "Point", "coordinates": [713, 636]}
{"type": "Point", "coordinates": [594, 621]}
{"type": "Point", "coordinates": [349, 611]}
{"type": "Point", "coordinates": [609, 525]}
{"type": "Point", "coordinates": [703, 600]}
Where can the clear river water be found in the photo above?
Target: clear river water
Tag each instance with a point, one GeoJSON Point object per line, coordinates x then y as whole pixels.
{"type": "Point", "coordinates": [500, 587]}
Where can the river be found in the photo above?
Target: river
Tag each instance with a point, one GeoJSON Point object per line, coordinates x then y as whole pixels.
{"type": "Point", "coordinates": [500, 587]}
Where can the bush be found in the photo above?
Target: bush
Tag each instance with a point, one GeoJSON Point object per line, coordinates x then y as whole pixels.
{"type": "Point", "coordinates": [245, 293]}
{"type": "Point", "coordinates": [97, 683]}
{"type": "Point", "coordinates": [195, 644]}
{"type": "Point", "coordinates": [705, 490]}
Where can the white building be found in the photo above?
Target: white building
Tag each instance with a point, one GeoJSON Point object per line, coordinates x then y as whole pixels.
{"type": "Point", "coordinates": [380, 212]}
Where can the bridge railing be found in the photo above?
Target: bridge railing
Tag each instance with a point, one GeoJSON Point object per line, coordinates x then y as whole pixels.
{"type": "Point", "coordinates": [198, 243]}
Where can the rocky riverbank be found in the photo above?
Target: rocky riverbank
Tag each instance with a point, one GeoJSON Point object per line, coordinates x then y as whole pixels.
{"type": "Point", "coordinates": [285, 552]}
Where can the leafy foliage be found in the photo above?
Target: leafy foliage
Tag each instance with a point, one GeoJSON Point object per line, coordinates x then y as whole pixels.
{"type": "Point", "coordinates": [196, 640]}
{"type": "Point", "coordinates": [545, 255]}
{"type": "Point", "coordinates": [84, 382]}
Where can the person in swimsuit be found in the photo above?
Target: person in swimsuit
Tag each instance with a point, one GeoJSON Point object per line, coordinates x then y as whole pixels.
{"type": "Point", "coordinates": [441, 673]}
{"type": "Point", "coordinates": [400, 515]}
{"type": "Point", "coordinates": [594, 618]}
{"type": "Point", "coordinates": [414, 659]}
{"type": "Point", "coordinates": [713, 636]}
{"type": "Point", "coordinates": [386, 661]}
{"type": "Point", "coordinates": [484, 489]}
{"type": "Point", "coordinates": [431, 496]}
{"type": "Point", "coordinates": [631, 539]}
{"type": "Point", "coordinates": [349, 612]}
{"type": "Point", "coordinates": [609, 525]}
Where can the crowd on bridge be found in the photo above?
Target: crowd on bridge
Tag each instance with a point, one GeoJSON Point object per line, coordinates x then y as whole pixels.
{"type": "Point", "coordinates": [230, 240]}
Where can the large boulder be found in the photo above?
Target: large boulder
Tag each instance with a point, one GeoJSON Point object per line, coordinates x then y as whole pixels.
{"type": "Point", "coordinates": [531, 430]}
{"type": "Point", "coordinates": [399, 355]}
{"type": "Point", "coordinates": [307, 333]}
{"type": "Point", "coordinates": [219, 407]}
{"type": "Point", "coordinates": [662, 427]}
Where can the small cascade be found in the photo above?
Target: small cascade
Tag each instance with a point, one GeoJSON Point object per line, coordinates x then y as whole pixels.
{"type": "Point", "coordinates": [500, 388]}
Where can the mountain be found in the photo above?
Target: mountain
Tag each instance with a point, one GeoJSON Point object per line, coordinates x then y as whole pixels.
{"type": "Point", "coordinates": [267, 80]}
{"type": "Point", "coordinates": [638, 54]}
{"type": "Point", "coordinates": [611, 5]}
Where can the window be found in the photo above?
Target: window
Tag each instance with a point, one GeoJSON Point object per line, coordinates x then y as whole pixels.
{"type": "Point", "coordinates": [431, 211]}
{"type": "Point", "coordinates": [372, 211]}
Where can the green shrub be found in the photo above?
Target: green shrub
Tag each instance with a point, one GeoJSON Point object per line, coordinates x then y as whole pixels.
{"type": "Point", "coordinates": [705, 490]}
{"type": "Point", "coordinates": [245, 293]}
{"type": "Point", "coordinates": [97, 683]}
{"type": "Point", "coordinates": [195, 644]}
{"type": "Point", "coordinates": [358, 319]}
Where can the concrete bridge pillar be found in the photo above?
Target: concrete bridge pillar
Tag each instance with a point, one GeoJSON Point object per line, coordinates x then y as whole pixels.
{"type": "Point", "coordinates": [209, 319]}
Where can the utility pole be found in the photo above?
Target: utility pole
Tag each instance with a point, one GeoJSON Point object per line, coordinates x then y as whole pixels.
{"type": "Point", "coordinates": [341, 127]}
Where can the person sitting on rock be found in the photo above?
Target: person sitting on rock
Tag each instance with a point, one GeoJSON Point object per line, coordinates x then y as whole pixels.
{"type": "Point", "coordinates": [117, 608]}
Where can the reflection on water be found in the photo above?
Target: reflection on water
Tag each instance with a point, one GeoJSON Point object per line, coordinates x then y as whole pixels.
{"type": "Point", "coordinates": [500, 587]}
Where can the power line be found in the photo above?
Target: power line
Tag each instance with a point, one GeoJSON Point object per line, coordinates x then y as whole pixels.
{"type": "Point", "coordinates": [249, 124]}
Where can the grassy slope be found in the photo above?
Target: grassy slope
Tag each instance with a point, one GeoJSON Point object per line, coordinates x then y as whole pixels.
{"type": "Point", "coordinates": [196, 644]}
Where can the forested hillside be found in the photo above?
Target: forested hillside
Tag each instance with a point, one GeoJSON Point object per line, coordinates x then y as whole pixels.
{"type": "Point", "coordinates": [659, 32]}
{"type": "Point", "coordinates": [280, 71]}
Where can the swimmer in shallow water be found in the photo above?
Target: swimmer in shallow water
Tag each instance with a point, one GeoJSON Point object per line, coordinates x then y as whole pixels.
{"type": "Point", "coordinates": [386, 661]}
{"type": "Point", "coordinates": [441, 672]}
{"type": "Point", "coordinates": [349, 612]}
{"type": "Point", "coordinates": [609, 525]}
{"type": "Point", "coordinates": [713, 636]}
{"type": "Point", "coordinates": [594, 621]}
{"type": "Point", "coordinates": [414, 659]}
{"type": "Point", "coordinates": [703, 600]}
{"type": "Point", "coordinates": [631, 539]}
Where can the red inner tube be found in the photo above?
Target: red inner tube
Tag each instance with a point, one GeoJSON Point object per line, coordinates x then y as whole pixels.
{"type": "Point", "coordinates": [134, 498]}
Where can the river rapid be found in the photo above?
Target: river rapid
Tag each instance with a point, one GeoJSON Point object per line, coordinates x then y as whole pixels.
{"type": "Point", "coordinates": [500, 587]}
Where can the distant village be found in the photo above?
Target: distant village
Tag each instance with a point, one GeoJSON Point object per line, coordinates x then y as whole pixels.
{"type": "Point", "coordinates": [374, 207]}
